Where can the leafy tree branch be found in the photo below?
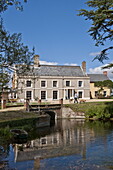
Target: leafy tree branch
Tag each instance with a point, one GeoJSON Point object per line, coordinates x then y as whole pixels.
{"type": "Point", "coordinates": [101, 30]}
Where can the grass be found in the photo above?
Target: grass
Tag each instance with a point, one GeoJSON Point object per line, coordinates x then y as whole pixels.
{"type": "Point", "coordinates": [96, 110]}
{"type": "Point", "coordinates": [14, 115]}
{"type": "Point", "coordinates": [91, 109]}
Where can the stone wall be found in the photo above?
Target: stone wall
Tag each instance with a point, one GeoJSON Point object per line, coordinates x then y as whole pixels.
{"type": "Point", "coordinates": [69, 113]}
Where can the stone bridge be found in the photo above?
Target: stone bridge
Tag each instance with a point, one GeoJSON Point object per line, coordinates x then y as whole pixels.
{"type": "Point", "coordinates": [54, 110]}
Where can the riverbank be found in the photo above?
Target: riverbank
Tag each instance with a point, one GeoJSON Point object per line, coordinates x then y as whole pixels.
{"type": "Point", "coordinates": [93, 110]}
{"type": "Point", "coordinates": [96, 109]}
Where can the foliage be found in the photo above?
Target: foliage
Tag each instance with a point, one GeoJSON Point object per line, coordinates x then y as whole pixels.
{"type": "Point", "coordinates": [12, 51]}
{"type": "Point", "coordinates": [94, 110]}
{"type": "Point", "coordinates": [4, 80]}
{"type": "Point", "coordinates": [4, 4]}
{"type": "Point", "coordinates": [98, 112]}
{"type": "Point", "coordinates": [101, 15]}
{"type": "Point", "coordinates": [102, 84]}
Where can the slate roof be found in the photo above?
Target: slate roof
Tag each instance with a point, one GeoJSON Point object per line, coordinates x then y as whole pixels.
{"type": "Point", "coordinates": [97, 77]}
{"type": "Point", "coordinates": [49, 70]}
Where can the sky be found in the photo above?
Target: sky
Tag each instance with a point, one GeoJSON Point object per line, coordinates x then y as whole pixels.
{"type": "Point", "coordinates": [59, 36]}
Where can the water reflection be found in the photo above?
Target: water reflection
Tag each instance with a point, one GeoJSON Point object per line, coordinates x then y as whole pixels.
{"type": "Point", "coordinates": [70, 144]}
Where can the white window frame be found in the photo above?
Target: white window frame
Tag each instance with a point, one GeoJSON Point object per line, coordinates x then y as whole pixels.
{"type": "Point", "coordinates": [31, 94]}
{"type": "Point", "coordinates": [46, 94]}
{"type": "Point", "coordinates": [69, 81]}
{"type": "Point", "coordinates": [26, 83]}
{"type": "Point", "coordinates": [41, 83]}
{"type": "Point", "coordinates": [82, 93]}
{"type": "Point", "coordinates": [82, 83]}
{"type": "Point", "coordinates": [56, 85]}
{"type": "Point", "coordinates": [57, 95]}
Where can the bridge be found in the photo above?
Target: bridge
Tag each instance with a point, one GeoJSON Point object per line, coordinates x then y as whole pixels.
{"type": "Point", "coordinates": [54, 110]}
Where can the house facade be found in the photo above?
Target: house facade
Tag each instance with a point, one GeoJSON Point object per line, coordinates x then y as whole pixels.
{"type": "Point", "coordinates": [52, 82]}
{"type": "Point", "coordinates": [94, 90]}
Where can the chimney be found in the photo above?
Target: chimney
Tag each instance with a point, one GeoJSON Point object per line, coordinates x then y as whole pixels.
{"type": "Point", "coordinates": [105, 73]}
{"type": "Point", "coordinates": [36, 61]}
{"type": "Point", "coordinates": [84, 66]}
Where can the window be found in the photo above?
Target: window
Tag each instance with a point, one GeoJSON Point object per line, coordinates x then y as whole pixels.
{"type": "Point", "coordinates": [80, 84]}
{"type": "Point", "coordinates": [28, 83]}
{"type": "Point", "coordinates": [54, 83]}
{"type": "Point", "coordinates": [80, 94]}
{"type": "Point", "coordinates": [15, 95]}
{"type": "Point", "coordinates": [28, 94]}
{"type": "Point", "coordinates": [96, 93]}
{"type": "Point", "coordinates": [43, 94]}
{"type": "Point", "coordinates": [44, 141]}
{"type": "Point", "coordinates": [67, 83]}
{"type": "Point", "coordinates": [55, 94]}
{"type": "Point", "coordinates": [104, 93]}
{"type": "Point", "coordinates": [43, 83]}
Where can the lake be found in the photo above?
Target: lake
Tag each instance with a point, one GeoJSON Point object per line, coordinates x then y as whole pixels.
{"type": "Point", "coordinates": [69, 144]}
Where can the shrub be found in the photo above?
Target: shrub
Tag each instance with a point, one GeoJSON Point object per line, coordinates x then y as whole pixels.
{"type": "Point", "coordinates": [98, 112]}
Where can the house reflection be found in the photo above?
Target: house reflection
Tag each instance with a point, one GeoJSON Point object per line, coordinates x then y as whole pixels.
{"type": "Point", "coordinates": [68, 137]}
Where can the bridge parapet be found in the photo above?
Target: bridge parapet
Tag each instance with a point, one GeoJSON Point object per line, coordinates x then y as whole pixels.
{"type": "Point", "coordinates": [55, 108]}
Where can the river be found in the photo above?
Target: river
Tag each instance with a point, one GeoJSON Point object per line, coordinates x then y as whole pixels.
{"type": "Point", "coordinates": [68, 145]}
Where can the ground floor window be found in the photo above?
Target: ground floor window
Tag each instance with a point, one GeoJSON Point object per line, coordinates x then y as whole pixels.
{"type": "Point", "coordinates": [55, 94]}
{"type": "Point", "coordinates": [28, 94]}
{"type": "Point", "coordinates": [43, 94]}
{"type": "Point", "coordinates": [104, 94]}
{"type": "Point", "coordinates": [80, 94]}
{"type": "Point", "coordinates": [96, 93]}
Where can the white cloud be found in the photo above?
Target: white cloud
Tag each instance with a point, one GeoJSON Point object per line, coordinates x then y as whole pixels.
{"type": "Point", "coordinates": [55, 63]}
{"type": "Point", "coordinates": [99, 70]}
{"type": "Point", "coordinates": [95, 53]}
{"type": "Point", "coordinates": [70, 64]}
{"type": "Point", "coordinates": [48, 63]}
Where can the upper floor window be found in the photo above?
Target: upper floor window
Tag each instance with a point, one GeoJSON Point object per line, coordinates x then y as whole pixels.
{"type": "Point", "coordinates": [28, 83]}
{"type": "Point", "coordinates": [67, 83]}
{"type": "Point", "coordinates": [54, 83]}
{"type": "Point", "coordinates": [80, 83]}
{"type": "Point", "coordinates": [43, 83]}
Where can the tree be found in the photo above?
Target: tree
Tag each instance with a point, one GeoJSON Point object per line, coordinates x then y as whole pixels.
{"type": "Point", "coordinates": [101, 15]}
{"type": "Point", "coordinates": [4, 4]}
{"type": "Point", "coordinates": [102, 84]}
{"type": "Point", "coordinates": [12, 50]}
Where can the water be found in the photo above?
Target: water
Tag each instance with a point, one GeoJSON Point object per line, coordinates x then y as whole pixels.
{"type": "Point", "coordinates": [69, 145]}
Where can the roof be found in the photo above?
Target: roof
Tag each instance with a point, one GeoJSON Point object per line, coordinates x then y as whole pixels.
{"type": "Point", "coordinates": [97, 77]}
{"type": "Point", "coordinates": [51, 70]}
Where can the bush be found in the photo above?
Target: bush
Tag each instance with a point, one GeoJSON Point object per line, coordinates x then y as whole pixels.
{"type": "Point", "coordinates": [98, 112]}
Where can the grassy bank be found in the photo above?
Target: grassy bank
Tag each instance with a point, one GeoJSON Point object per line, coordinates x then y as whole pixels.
{"type": "Point", "coordinates": [95, 110]}
{"type": "Point", "coordinates": [16, 118]}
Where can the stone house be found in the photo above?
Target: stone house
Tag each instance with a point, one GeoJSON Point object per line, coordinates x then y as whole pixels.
{"type": "Point", "coordinates": [52, 82]}
{"type": "Point", "coordinates": [94, 90]}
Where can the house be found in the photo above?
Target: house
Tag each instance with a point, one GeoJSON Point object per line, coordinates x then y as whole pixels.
{"type": "Point", "coordinates": [52, 82]}
{"type": "Point", "coordinates": [94, 90]}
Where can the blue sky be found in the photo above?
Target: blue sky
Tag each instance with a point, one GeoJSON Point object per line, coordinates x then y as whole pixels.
{"type": "Point", "coordinates": [58, 34]}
